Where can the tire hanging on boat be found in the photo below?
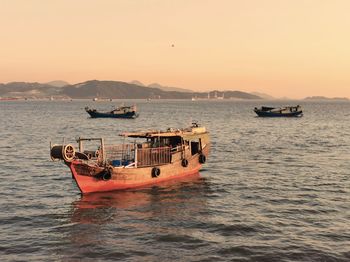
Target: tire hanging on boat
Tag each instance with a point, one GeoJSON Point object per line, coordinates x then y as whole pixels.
{"type": "Point", "coordinates": [184, 162]}
{"type": "Point", "coordinates": [155, 172]}
{"type": "Point", "coordinates": [105, 174]}
{"type": "Point", "coordinates": [202, 159]}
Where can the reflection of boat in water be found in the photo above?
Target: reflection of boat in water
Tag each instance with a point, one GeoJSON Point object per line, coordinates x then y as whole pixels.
{"type": "Point", "coordinates": [139, 225]}
{"type": "Point", "coordinates": [119, 112]}
{"type": "Point", "coordinates": [101, 207]}
{"type": "Point", "coordinates": [167, 155]}
{"type": "Point", "coordinates": [288, 111]}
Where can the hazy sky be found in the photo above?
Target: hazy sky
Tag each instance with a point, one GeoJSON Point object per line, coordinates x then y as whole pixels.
{"type": "Point", "coordinates": [293, 48]}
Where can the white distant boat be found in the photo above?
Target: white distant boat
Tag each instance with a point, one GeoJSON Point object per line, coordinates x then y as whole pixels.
{"type": "Point", "coordinates": [95, 99]}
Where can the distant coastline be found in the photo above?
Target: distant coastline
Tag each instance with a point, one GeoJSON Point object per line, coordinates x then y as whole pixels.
{"type": "Point", "coordinates": [109, 90]}
{"type": "Point", "coordinates": [323, 98]}
{"type": "Point", "coordinates": [95, 89]}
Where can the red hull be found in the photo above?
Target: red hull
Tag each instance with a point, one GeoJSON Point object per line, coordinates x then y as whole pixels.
{"type": "Point", "coordinates": [138, 177]}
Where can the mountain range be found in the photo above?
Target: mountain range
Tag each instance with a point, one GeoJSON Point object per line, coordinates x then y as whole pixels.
{"type": "Point", "coordinates": [164, 88]}
{"type": "Point", "coordinates": [111, 90]}
{"type": "Point", "coordinates": [320, 98]}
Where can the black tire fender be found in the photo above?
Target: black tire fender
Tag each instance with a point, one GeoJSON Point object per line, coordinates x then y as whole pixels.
{"type": "Point", "coordinates": [155, 172]}
{"type": "Point", "coordinates": [202, 159]}
{"type": "Point", "coordinates": [107, 175]}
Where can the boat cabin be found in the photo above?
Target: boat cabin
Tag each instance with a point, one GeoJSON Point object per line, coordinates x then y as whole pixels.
{"type": "Point", "coordinates": [150, 148]}
{"type": "Point", "coordinates": [123, 109]}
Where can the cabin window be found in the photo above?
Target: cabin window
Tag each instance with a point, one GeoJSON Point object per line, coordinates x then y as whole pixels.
{"type": "Point", "coordinates": [174, 141]}
{"type": "Point", "coordinates": [155, 142]}
{"type": "Point", "coordinates": [195, 147]}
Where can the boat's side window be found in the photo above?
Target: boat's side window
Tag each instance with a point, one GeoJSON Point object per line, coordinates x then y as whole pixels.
{"type": "Point", "coordinates": [174, 142]}
{"type": "Point", "coordinates": [195, 147]}
{"type": "Point", "coordinates": [155, 143]}
{"type": "Point", "coordinates": [165, 142]}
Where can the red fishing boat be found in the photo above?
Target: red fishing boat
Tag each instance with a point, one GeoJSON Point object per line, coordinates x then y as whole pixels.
{"type": "Point", "coordinates": [160, 156]}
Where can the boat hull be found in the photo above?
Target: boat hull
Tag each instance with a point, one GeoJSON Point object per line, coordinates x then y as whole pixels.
{"type": "Point", "coordinates": [95, 114]}
{"type": "Point", "coordinates": [273, 114]}
{"type": "Point", "coordinates": [88, 179]}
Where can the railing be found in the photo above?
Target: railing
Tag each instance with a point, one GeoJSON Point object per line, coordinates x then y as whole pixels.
{"type": "Point", "coordinates": [178, 148]}
{"type": "Point", "coordinates": [153, 156]}
{"type": "Point", "coordinates": [125, 152]}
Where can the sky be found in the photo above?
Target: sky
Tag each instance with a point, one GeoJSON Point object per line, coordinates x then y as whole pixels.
{"type": "Point", "coordinates": [285, 48]}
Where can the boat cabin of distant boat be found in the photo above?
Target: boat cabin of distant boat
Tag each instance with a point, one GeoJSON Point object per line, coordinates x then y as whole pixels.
{"type": "Point", "coordinates": [119, 112]}
{"type": "Point", "coordinates": [288, 111]}
{"type": "Point", "coordinates": [159, 156]}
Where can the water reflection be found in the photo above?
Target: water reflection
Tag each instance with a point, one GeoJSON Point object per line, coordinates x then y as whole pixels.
{"type": "Point", "coordinates": [100, 208]}
{"type": "Point", "coordinates": [129, 219]}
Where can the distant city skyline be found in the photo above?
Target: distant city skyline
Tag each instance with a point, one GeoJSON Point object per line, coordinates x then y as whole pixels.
{"type": "Point", "coordinates": [282, 48]}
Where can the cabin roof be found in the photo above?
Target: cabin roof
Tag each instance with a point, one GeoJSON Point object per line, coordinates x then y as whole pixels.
{"type": "Point", "coordinates": [189, 133]}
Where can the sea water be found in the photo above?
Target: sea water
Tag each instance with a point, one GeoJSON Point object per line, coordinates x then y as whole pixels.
{"type": "Point", "coordinates": [273, 189]}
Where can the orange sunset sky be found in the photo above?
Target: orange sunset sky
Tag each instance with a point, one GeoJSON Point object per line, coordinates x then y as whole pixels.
{"type": "Point", "coordinates": [292, 48]}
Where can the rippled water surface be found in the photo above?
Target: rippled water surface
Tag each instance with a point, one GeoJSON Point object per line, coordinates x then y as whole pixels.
{"type": "Point", "coordinates": [272, 190]}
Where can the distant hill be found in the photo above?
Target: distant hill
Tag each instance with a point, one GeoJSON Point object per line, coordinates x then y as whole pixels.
{"type": "Point", "coordinates": [138, 83]}
{"type": "Point", "coordinates": [224, 95]}
{"type": "Point", "coordinates": [240, 94]}
{"type": "Point", "coordinates": [109, 89]}
{"type": "Point", "coordinates": [263, 95]}
{"type": "Point", "coordinates": [118, 90]}
{"type": "Point", "coordinates": [58, 83]}
{"type": "Point", "coordinates": [326, 98]}
{"type": "Point", "coordinates": [24, 89]}
{"type": "Point", "coordinates": [122, 90]}
{"type": "Point", "coordinates": [168, 88]}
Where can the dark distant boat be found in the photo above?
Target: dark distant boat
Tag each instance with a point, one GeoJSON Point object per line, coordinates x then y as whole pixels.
{"type": "Point", "coordinates": [119, 112]}
{"type": "Point", "coordinates": [288, 111]}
